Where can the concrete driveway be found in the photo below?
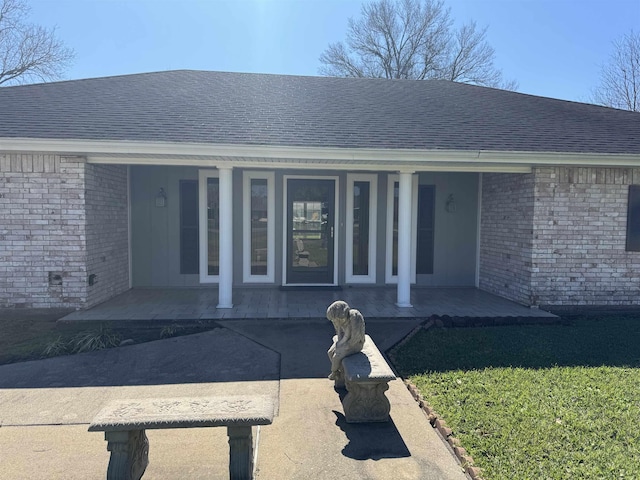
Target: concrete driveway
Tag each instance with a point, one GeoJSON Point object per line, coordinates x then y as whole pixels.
{"type": "Point", "coordinates": [46, 406]}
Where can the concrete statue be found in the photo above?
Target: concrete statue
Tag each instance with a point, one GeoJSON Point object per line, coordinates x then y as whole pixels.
{"type": "Point", "coordinates": [349, 325]}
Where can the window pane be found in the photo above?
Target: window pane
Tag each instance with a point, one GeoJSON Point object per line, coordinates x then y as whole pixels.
{"type": "Point", "coordinates": [361, 228]}
{"type": "Point", "coordinates": [309, 235]}
{"type": "Point", "coordinates": [259, 222]}
{"type": "Point", "coordinates": [213, 226]}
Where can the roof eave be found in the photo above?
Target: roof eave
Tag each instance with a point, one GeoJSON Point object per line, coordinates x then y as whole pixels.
{"type": "Point", "coordinates": [178, 153]}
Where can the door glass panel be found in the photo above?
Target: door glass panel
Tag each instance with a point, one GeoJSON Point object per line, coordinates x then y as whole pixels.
{"type": "Point", "coordinates": [309, 235]}
{"type": "Point", "coordinates": [259, 223]}
{"type": "Point", "coordinates": [310, 231]}
{"type": "Point", "coordinates": [213, 226]}
{"type": "Point", "coordinates": [361, 228]}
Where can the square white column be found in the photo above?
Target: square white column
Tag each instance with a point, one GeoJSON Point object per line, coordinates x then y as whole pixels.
{"type": "Point", "coordinates": [225, 285]}
{"type": "Point", "coordinates": [404, 240]}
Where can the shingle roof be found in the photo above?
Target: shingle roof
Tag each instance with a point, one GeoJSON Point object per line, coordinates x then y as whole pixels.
{"type": "Point", "coordinates": [257, 109]}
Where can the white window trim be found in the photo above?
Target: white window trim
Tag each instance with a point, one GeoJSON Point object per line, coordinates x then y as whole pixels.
{"type": "Point", "coordinates": [285, 220]}
{"type": "Point", "coordinates": [203, 175]}
{"type": "Point", "coordinates": [391, 179]}
{"type": "Point", "coordinates": [247, 277]}
{"type": "Point", "coordinates": [373, 215]}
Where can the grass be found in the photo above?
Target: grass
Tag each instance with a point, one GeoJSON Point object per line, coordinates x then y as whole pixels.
{"type": "Point", "coordinates": [33, 334]}
{"type": "Point", "coordinates": [537, 402]}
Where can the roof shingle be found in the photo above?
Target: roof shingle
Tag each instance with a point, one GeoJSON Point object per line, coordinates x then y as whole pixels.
{"type": "Point", "coordinates": [259, 109]}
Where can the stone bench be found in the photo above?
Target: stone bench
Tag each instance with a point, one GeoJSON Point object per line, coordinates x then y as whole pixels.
{"type": "Point", "coordinates": [125, 421]}
{"type": "Point", "coordinates": [366, 376]}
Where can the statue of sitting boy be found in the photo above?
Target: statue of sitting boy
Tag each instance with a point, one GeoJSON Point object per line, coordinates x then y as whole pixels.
{"type": "Point", "coordinates": [349, 325]}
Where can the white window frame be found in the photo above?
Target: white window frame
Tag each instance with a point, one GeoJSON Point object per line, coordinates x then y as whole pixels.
{"type": "Point", "coordinates": [373, 216]}
{"type": "Point", "coordinates": [247, 277]}
{"type": "Point", "coordinates": [203, 175]}
{"type": "Point", "coordinates": [285, 221]}
{"type": "Point", "coordinates": [391, 180]}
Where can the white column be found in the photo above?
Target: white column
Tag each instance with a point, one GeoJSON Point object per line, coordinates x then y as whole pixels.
{"type": "Point", "coordinates": [404, 240]}
{"type": "Point", "coordinates": [225, 285]}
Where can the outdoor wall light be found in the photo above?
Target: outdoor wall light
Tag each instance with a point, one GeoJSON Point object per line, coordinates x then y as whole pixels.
{"type": "Point", "coordinates": [161, 198]}
{"type": "Point", "coordinates": [450, 205]}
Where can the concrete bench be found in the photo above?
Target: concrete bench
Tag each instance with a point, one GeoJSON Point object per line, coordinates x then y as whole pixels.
{"type": "Point", "coordinates": [125, 421]}
{"type": "Point", "coordinates": [366, 376]}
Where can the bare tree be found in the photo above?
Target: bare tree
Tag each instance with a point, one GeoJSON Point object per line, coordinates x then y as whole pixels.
{"type": "Point", "coordinates": [620, 78]}
{"type": "Point", "coordinates": [412, 39]}
{"type": "Point", "coordinates": [28, 52]}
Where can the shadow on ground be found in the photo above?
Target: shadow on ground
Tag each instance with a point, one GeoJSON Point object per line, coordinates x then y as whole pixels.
{"type": "Point", "coordinates": [371, 441]}
{"type": "Point", "coordinates": [303, 343]}
{"type": "Point", "coordinates": [216, 356]}
{"type": "Point", "coordinates": [581, 341]}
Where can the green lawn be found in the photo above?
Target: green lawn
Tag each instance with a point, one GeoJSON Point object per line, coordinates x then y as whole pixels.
{"type": "Point", "coordinates": [537, 402]}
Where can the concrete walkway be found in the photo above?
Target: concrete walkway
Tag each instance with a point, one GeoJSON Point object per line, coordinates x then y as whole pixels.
{"type": "Point", "coordinates": [45, 408]}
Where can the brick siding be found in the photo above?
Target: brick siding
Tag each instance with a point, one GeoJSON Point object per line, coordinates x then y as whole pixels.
{"type": "Point", "coordinates": [107, 230]}
{"type": "Point", "coordinates": [556, 237]}
{"type": "Point", "coordinates": [580, 238]}
{"type": "Point", "coordinates": [506, 241]}
{"type": "Point", "coordinates": [43, 231]}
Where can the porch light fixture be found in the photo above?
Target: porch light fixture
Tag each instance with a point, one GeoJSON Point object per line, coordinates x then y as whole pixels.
{"type": "Point", "coordinates": [450, 205]}
{"type": "Point", "coordinates": [161, 198]}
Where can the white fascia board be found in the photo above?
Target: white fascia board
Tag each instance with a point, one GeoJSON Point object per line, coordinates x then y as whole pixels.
{"type": "Point", "coordinates": [248, 163]}
{"type": "Point", "coordinates": [212, 154]}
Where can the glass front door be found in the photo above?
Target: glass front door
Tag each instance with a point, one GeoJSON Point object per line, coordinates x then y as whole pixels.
{"type": "Point", "coordinates": [310, 231]}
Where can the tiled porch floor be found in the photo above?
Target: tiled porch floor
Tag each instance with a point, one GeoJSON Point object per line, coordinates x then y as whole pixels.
{"type": "Point", "coordinates": [256, 303]}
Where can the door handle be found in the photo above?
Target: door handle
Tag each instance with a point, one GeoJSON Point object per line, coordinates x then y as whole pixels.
{"type": "Point", "coordinates": [331, 232]}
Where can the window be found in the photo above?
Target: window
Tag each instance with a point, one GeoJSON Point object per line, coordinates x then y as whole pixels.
{"type": "Point", "coordinates": [361, 228]}
{"type": "Point", "coordinates": [189, 227]}
{"type": "Point", "coordinates": [213, 226]}
{"type": "Point", "coordinates": [633, 219]}
{"type": "Point", "coordinates": [360, 242]}
{"type": "Point", "coordinates": [209, 213]}
{"type": "Point", "coordinates": [259, 227]}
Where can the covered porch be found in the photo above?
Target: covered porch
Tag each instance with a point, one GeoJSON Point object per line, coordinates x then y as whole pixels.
{"type": "Point", "coordinates": [184, 304]}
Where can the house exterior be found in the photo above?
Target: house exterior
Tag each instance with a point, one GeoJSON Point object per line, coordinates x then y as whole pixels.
{"type": "Point", "coordinates": [228, 180]}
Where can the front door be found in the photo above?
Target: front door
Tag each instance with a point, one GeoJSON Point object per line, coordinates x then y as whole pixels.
{"type": "Point", "coordinates": [310, 231]}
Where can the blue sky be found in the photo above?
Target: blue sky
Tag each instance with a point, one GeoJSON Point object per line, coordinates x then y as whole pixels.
{"type": "Point", "coordinates": [552, 48]}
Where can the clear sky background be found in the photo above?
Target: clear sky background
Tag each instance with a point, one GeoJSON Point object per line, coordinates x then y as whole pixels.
{"type": "Point", "coordinates": [553, 48]}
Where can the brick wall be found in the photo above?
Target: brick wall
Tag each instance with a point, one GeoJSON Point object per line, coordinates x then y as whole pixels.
{"type": "Point", "coordinates": [580, 238]}
{"type": "Point", "coordinates": [107, 231]}
{"type": "Point", "coordinates": [557, 237]}
{"type": "Point", "coordinates": [506, 242]}
{"type": "Point", "coordinates": [42, 259]}
{"type": "Point", "coordinates": [61, 220]}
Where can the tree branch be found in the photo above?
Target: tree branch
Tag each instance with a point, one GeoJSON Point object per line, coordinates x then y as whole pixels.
{"type": "Point", "coordinates": [412, 39]}
{"type": "Point", "coordinates": [28, 52]}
